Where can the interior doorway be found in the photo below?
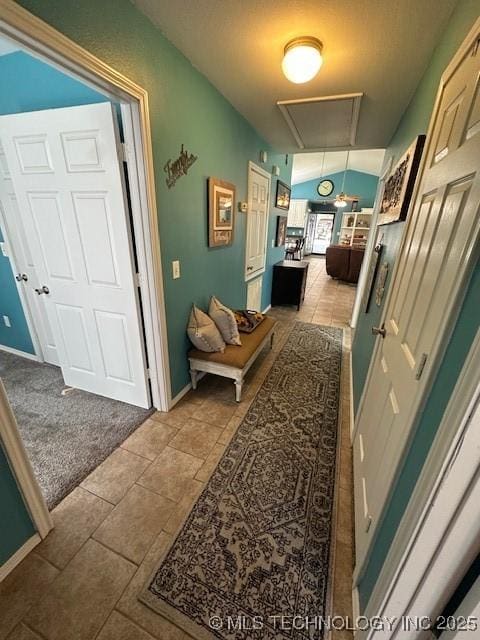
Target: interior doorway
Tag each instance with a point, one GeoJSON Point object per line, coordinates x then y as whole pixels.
{"type": "Point", "coordinates": [322, 233]}
{"type": "Point", "coordinates": [68, 239]}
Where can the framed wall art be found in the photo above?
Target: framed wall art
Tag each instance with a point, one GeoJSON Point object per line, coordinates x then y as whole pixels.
{"type": "Point", "coordinates": [221, 212]}
{"type": "Point", "coordinates": [282, 197]}
{"type": "Point", "coordinates": [399, 185]}
{"type": "Point", "coordinates": [281, 234]}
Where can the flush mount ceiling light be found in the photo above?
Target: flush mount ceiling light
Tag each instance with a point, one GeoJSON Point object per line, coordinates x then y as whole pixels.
{"type": "Point", "coordinates": [302, 59]}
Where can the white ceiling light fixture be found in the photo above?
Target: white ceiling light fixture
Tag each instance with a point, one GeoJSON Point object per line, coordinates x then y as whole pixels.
{"type": "Point", "coordinates": [341, 200]}
{"type": "Point", "coordinates": [302, 59]}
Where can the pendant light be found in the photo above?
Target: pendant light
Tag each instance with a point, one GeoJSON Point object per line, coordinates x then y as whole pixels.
{"type": "Point", "coordinates": [302, 59]}
{"type": "Point", "coordinates": [341, 199]}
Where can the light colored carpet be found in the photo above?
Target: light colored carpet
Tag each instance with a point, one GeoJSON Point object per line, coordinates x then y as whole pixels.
{"type": "Point", "coordinates": [68, 436]}
{"type": "Point", "coordinates": [256, 545]}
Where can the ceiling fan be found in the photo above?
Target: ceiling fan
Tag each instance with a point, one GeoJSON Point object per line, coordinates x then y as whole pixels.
{"type": "Point", "coordinates": [342, 199]}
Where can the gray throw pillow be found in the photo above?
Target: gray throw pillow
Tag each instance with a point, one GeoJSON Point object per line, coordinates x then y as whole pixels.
{"type": "Point", "coordinates": [224, 318]}
{"type": "Point", "coordinates": [203, 332]}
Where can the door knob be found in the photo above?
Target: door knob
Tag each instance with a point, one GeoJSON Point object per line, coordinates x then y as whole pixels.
{"type": "Point", "coordinates": [44, 289]}
{"type": "Point", "coordinates": [379, 331]}
{"type": "Point", "coordinates": [21, 276]}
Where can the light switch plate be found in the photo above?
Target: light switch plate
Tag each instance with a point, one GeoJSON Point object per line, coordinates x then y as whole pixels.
{"type": "Point", "coordinates": [176, 269]}
{"type": "Point", "coordinates": [3, 249]}
{"type": "Point", "coordinates": [6, 321]}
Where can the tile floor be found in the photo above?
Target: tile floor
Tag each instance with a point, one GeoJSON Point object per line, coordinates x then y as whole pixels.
{"type": "Point", "coordinates": [82, 581]}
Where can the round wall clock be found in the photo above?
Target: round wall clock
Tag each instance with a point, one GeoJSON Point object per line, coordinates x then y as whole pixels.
{"type": "Point", "coordinates": [325, 188]}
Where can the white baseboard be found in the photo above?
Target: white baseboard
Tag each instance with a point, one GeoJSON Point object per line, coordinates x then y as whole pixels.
{"type": "Point", "coordinates": [352, 404]}
{"type": "Point", "coordinates": [22, 354]}
{"type": "Point", "coordinates": [267, 309]}
{"type": "Point", "coordinates": [355, 604]}
{"type": "Point", "coordinates": [18, 556]}
{"type": "Point", "coordinates": [185, 390]}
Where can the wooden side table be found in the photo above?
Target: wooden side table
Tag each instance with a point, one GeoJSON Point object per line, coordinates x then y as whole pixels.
{"type": "Point", "coordinates": [289, 281]}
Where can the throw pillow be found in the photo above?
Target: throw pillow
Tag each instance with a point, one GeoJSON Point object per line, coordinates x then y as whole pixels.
{"type": "Point", "coordinates": [203, 332]}
{"type": "Point", "coordinates": [224, 318]}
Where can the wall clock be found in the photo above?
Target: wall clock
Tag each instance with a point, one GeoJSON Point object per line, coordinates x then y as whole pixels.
{"type": "Point", "coordinates": [325, 188]}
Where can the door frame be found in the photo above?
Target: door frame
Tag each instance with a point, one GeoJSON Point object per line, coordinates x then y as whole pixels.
{"type": "Point", "coordinates": [254, 167]}
{"type": "Point", "coordinates": [450, 317]}
{"type": "Point", "coordinates": [59, 51]}
{"type": "Point", "coordinates": [370, 246]}
{"type": "Point", "coordinates": [439, 518]}
{"type": "Point", "coordinates": [322, 213]}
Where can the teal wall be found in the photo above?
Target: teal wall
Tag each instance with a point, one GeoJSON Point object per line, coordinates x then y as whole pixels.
{"type": "Point", "coordinates": [414, 121]}
{"type": "Point", "coordinates": [184, 108]}
{"type": "Point", "coordinates": [16, 527]}
{"type": "Point", "coordinates": [17, 336]}
{"type": "Point", "coordinates": [41, 87]}
{"type": "Point", "coordinates": [357, 183]}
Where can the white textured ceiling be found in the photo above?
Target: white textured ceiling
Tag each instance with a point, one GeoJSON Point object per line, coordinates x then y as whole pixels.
{"type": "Point", "coordinates": [307, 166]}
{"type": "Point", "coordinates": [379, 47]}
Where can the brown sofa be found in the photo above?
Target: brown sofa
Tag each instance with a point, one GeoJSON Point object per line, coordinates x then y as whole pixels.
{"type": "Point", "coordinates": [344, 263]}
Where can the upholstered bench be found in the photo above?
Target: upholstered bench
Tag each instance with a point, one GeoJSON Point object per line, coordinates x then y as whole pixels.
{"type": "Point", "coordinates": [235, 361]}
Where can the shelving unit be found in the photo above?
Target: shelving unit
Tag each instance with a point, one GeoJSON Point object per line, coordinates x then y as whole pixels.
{"type": "Point", "coordinates": [355, 228]}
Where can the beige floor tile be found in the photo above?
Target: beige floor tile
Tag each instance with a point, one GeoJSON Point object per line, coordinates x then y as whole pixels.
{"type": "Point", "coordinates": [175, 417]}
{"type": "Point", "coordinates": [197, 438]}
{"type": "Point", "coordinates": [139, 613]}
{"type": "Point", "coordinates": [21, 632]}
{"type": "Point", "coordinates": [80, 600]}
{"type": "Point", "coordinates": [183, 508]}
{"type": "Point", "coordinates": [74, 519]}
{"type": "Point", "coordinates": [210, 463]}
{"type": "Point", "coordinates": [118, 627]}
{"type": "Point", "coordinates": [150, 439]}
{"type": "Point", "coordinates": [114, 477]}
{"type": "Point", "coordinates": [231, 428]}
{"type": "Point", "coordinates": [171, 474]}
{"type": "Point", "coordinates": [344, 529]}
{"type": "Point", "coordinates": [134, 523]}
{"type": "Point", "coordinates": [22, 588]}
{"type": "Point", "coordinates": [215, 412]}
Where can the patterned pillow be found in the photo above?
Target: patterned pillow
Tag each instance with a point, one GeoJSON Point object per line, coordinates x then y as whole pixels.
{"type": "Point", "coordinates": [203, 332]}
{"type": "Point", "coordinates": [224, 318]}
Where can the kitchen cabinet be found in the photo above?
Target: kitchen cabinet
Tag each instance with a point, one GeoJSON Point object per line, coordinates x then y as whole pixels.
{"type": "Point", "coordinates": [297, 213]}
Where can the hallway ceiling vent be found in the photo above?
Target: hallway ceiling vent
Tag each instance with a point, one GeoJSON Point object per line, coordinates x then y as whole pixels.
{"type": "Point", "coordinates": [328, 122]}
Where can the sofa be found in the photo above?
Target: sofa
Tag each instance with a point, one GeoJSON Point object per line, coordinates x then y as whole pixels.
{"type": "Point", "coordinates": [344, 263]}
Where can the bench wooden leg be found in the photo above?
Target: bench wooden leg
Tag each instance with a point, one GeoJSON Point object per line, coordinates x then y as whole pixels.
{"type": "Point", "coordinates": [272, 339]}
{"type": "Point", "coordinates": [193, 376]}
{"type": "Point", "coordinates": [238, 390]}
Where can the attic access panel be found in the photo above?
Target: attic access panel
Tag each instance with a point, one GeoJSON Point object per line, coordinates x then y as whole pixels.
{"type": "Point", "coordinates": [328, 122]}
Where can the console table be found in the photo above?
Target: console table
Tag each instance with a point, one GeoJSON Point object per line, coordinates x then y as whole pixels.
{"type": "Point", "coordinates": [289, 281]}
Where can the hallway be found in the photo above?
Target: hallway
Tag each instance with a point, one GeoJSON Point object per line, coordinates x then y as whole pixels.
{"type": "Point", "coordinates": [327, 301]}
{"type": "Point", "coordinates": [125, 514]}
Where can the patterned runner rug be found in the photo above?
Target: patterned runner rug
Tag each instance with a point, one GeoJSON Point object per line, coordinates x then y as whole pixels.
{"type": "Point", "coordinates": [256, 545]}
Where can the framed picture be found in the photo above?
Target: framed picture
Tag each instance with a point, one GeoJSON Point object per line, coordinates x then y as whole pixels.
{"type": "Point", "coordinates": [282, 198]}
{"type": "Point", "coordinates": [221, 212]}
{"type": "Point", "coordinates": [281, 235]}
{"type": "Point", "coordinates": [399, 185]}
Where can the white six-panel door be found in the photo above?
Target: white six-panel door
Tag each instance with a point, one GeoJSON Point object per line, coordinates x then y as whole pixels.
{"type": "Point", "coordinates": [441, 240]}
{"type": "Point", "coordinates": [257, 220]}
{"type": "Point", "coordinates": [68, 178]}
{"type": "Point", "coordinates": [22, 262]}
